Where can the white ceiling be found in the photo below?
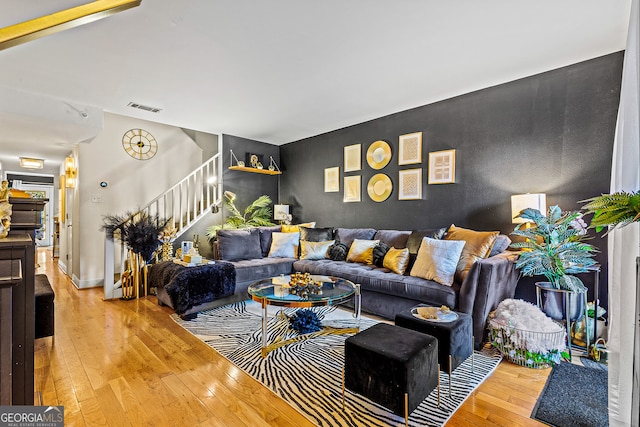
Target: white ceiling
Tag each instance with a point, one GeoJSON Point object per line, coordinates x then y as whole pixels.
{"type": "Point", "coordinates": [282, 70]}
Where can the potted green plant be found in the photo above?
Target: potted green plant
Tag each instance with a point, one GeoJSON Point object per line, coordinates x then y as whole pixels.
{"type": "Point", "coordinates": [614, 210]}
{"type": "Point", "coordinates": [554, 247]}
{"type": "Point", "coordinates": [257, 214]}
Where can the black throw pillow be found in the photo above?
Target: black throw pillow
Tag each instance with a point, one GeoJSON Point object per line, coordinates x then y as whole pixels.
{"type": "Point", "coordinates": [379, 252]}
{"type": "Point", "coordinates": [316, 234]}
{"type": "Point", "coordinates": [338, 252]}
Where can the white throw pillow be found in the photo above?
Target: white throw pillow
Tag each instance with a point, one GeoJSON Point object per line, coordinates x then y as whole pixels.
{"type": "Point", "coordinates": [314, 250]}
{"type": "Point", "coordinates": [284, 245]}
{"type": "Point", "coordinates": [437, 260]}
{"type": "Point", "coordinates": [362, 251]}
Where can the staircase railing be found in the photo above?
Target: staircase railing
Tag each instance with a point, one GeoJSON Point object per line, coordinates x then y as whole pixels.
{"type": "Point", "coordinates": [185, 203]}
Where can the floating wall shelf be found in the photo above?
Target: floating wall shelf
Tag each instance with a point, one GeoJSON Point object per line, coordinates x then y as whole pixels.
{"type": "Point", "coordinates": [255, 170]}
{"type": "Point", "coordinates": [272, 169]}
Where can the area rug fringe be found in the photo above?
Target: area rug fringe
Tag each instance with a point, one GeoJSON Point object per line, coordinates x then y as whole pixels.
{"type": "Point", "coordinates": [308, 374]}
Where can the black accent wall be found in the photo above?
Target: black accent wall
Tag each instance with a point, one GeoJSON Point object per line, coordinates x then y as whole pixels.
{"type": "Point", "coordinates": [551, 133]}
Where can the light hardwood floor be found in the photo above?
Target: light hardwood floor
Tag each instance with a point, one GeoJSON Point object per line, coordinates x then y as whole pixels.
{"type": "Point", "coordinates": [126, 363]}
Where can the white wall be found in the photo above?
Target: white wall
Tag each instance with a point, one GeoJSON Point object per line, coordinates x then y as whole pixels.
{"type": "Point", "coordinates": [132, 184]}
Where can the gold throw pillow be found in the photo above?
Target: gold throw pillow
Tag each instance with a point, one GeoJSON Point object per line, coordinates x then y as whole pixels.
{"type": "Point", "coordinates": [396, 260]}
{"type": "Point", "coordinates": [478, 245]}
{"type": "Point", "coordinates": [362, 251]}
{"type": "Point", "coordinates": [296, 228]}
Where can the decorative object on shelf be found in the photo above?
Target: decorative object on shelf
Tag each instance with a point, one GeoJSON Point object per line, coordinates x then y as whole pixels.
{"type": "Point", "coordinates": [379, 155]}
{"type": "Point", "coordinates": [303, 285]}
{"type": "Point", "coordinates": [442, 167]}
{"type": "Point", "coordinates": [139, 144]}
{"type": "Point", "coordinates": [258, 167]}
{"type": "Point", "coordinates": [583, 329]}
{"type": "Point", "coordinates": [253, 160]}
{"type": "Point", "coordinates": [351, 189]}
{"type": "Point", "coordinates": [410, 184]}
{"type": "Point", "coordinates": [555, 247]}
{"type": "Point", "coordinates": [379, 187]}
{"type": "Point", "coordinates": [305, 321]}
{"type": "Point", "coordinates": [410, 149]}
{"type": "Point", "coordinates": [281, 213]}
{"type": "Point", "coordinates": [525, 336]}
{"type": "Point", "coordinates": [332, 179]}
{"type": "Point", "coordinates": [613, 211]}
{"type": "Point", "coordinates": [257, 214]}
{"type": "Point", "coordinates": [352, 158]}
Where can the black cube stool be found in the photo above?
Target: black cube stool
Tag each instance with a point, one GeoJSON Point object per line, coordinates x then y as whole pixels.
{"type": "Point", "coordinates": [44, 313]}
{"type": "Point", "coordinates": [393, 366]}
{"type": "Point", "coordinates": [455, 338]}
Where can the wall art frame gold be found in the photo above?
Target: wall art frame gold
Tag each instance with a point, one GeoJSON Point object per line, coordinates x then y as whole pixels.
{"type": "Point", "coordinates": [63, 199]}
{"type": "Point", "coordinates": [378, 154]}
{"type": "Point", "coordinates": [410, 148]}
{"type": "Point", "coordinates": [353, 157]}
{"type": "Point", "coordinates": [351, 189]}
{"type": "Point", "coordinates": [410, 184]}
{"type": "Point", "coordinates": [442, 167]}
{"type": "Point", "coordinates": [332, 179]}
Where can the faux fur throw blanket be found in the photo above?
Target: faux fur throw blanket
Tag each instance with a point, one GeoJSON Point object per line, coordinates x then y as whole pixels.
{"type": "Point", "coordinates": [191, 286]}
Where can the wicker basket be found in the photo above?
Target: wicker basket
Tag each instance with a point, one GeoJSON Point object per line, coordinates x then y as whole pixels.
{"type": "Point", "coordinates": [514, 344]}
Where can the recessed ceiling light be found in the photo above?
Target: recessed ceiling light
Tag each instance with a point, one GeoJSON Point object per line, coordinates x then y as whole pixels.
{"type": "Point", "coordinates": [30, 163]}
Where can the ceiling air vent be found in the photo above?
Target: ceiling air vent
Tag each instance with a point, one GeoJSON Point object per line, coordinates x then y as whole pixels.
{"type": "Point", "coordinates": [144, 107]}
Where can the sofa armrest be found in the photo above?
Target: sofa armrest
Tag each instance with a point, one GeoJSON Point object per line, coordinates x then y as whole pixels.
{"type": "Point", "coordinates": [490, 281]}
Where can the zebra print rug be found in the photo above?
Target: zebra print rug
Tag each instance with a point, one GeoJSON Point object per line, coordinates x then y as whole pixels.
{"type": "Point", "coordinates": [308, 373]}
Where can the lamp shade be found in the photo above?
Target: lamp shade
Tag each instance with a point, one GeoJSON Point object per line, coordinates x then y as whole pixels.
{"type": "Point", "coordinates": [520, 202]}
{"type": "Point", "coordinates": [281, 212]}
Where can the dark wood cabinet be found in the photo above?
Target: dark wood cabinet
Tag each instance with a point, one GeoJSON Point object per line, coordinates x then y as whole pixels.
{"type": "Point", "coordinates": [27, 214]}
{"type": "Point", "coordinates": [17, 275]}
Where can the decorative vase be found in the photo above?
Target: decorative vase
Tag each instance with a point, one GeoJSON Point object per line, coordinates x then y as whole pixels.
{"type": "Point", "coordinates": [167, 251]}
{"type": "Point", "coordinates": [553, 302]}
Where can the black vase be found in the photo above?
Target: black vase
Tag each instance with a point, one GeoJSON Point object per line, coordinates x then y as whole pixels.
{"type": "Point", "coordinates": [553, 302]}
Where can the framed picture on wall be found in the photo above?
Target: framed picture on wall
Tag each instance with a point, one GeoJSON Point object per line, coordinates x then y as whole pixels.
{"type": "Point", "coordinates": [352, 157]}
{"type": "Point", "coordinates": [442, 167]}
{"type": "Point", "coordinates": [351, 189]}
{"type": "Point", "coordinates": [332, 180]}
{"type": "Point", "coordinates": [410, 149]}
{"type": "Point", "coordinates": [410, 184]}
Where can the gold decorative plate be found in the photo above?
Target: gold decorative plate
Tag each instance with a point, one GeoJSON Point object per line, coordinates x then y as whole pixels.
{"type": "Point", "coordinates": [378, 154]}
{"type": "Point", "coordinates": [379, 187]}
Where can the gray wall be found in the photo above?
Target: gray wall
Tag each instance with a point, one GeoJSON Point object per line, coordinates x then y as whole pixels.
{"type": "Point", "coordinates": [550, 133]}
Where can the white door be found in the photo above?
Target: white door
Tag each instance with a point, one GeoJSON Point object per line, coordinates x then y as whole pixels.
{"type": "Point", "coordinates": [44, 235]}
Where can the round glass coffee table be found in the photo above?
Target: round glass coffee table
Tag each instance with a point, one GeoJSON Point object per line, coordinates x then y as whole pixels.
{"type": "Point", "coordinates": [275, 291]}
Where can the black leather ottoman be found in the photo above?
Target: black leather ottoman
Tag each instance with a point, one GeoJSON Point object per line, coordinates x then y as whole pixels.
{"type": "Point", "coordinates": [393, 366]}
{"type": "Point", "coordinates": [44, 313]}
{"type": "Point", "coordinates": [455, 339]}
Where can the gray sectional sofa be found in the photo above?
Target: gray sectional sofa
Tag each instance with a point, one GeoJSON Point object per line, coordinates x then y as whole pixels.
{"type": "Point", "coordinates": [384, 293]}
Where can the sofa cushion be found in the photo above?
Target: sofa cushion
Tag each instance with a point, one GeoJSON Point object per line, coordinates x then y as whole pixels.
{"type": "Point", "coordinates": [316, 234]}
{"type": "Point", "coordinates": [347, 235]}
{"type": "Point", "coordinates": [477, 246]}
{"type": "Point", "coordinates": [265, 237]}
{"type": "Point", "coordinates": [314, 250]}
{"type": "Point", "coordinates": [284, 245]}
{"type": "Point", "coordinates": [396, 238]}
{"type": "Point", "coordinates": [239, 244]}
{"type": "Point", "coordinates": [379, 252]}
{"type": "Point", "coordinates": [437, 260]}
{"type": "Point", "coordinates": [362, 251]}
{"type": "Point", "coordinates": [500, 245]}
{"type": "Point", "coordinates": [338, 252]}
{"type": "Point", "coordinates": [396, 260]}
